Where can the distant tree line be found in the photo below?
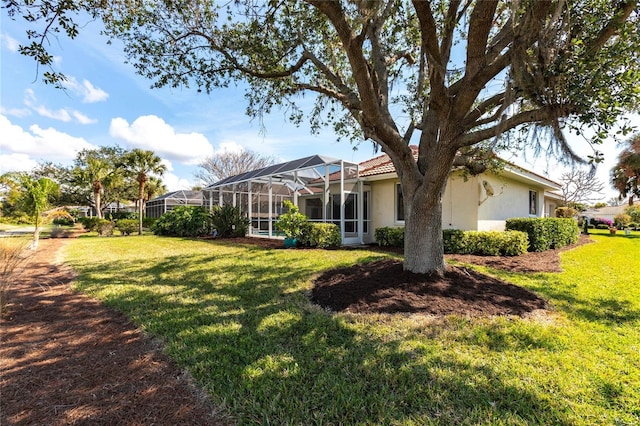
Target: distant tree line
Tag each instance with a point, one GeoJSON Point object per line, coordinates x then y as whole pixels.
{"type": "Point", "coordinates": [97, 178]}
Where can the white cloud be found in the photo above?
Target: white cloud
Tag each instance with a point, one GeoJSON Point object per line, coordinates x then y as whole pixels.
{"type": "Point", "coordinates": [15, 112]}
{"type": "Point", "coordinates": [83, 119]}
{"type": "Point", "coordinates": [26, 147]}
{"type": "Point", "coordinates": [152, 133]}
{"type": "Point", "coordinates": [89, 93]}
{"type": "Point", "coordinates": [16, 163]}
{"type": "Point", "coordinates": [11, 43]}
{"type": "Point", "coordinates": [64, 114]}
{"type": "Point", "coordinates": [60, 115]}
{"type": "Point", "coordinates": [256, 142]}
{"type": "Point", "coordinates": [175, 183]}
{"type": "Point", "coordinates": [230, 146]}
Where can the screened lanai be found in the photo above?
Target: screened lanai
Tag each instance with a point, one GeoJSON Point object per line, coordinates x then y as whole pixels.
{"type": "Point", "coordinates": [326, 190]}
{"type": "Point", "coordinates": [162, 204]}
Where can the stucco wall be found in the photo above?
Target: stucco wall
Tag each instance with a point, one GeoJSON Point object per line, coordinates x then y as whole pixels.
{"type": "Point", "coordinates": [383, 204]}
{"type": "Point", "coordinates": [460, 204]}
{"type": "Point", "coordinates": [510, 199]}
{"type": "Point", "coordinates": [465, 204]}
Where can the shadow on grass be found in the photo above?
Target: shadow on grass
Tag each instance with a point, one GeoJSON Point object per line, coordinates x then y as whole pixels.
{"type": "Point", "coordinates": [241, 323]}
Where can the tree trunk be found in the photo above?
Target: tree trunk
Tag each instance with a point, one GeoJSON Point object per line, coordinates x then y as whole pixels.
{"type": "Point", "coordinates": [96, 200]}
{"type": "Point", "coordinates": [36, 238]}
{"type": "Point", "coordinates": [140, 204]}
{"type": "Point", "coordinates": [423, 247]}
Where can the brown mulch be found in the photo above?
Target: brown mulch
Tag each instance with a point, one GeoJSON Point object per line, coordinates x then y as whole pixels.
{"type": "Point", "coordinates": [383, 286]}
{"type": "Point", "coordinates": [67, 359]}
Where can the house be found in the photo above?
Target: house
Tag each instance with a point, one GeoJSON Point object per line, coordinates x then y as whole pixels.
{"type": "Point", "coordinates": [608, 212]}
{"type": "Point", "coordinates": [362, 197]}
{"type": "Point", "coordinates": [156, 207]}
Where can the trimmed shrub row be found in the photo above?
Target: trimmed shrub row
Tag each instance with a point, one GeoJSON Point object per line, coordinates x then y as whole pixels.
{"type": "Point", "coordinates": [541, 234]}
{"type": "Point", "coordinates": [546, 232]}
{"type": "Point", "coordinates": [488, 243]}
{"type": "Point", "coordinates": [495, 243]}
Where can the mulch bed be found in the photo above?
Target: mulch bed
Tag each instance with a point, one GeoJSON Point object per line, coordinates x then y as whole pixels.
{"type": "Point", "coordinates": [66, 359]}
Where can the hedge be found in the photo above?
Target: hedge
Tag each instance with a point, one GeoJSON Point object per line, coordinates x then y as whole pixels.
{"type": "Point", "coordinates": [495, 243]}
{"type": "Point", "coordinates": [546, 232]}
{"type": "Point", "coordinates": [489, 243]}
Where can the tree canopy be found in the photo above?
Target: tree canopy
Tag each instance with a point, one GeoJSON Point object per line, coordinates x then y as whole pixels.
{"type": "Point", "coordinates": [625, 175]}
{"type": "Point", "coordinates": [454, 75]}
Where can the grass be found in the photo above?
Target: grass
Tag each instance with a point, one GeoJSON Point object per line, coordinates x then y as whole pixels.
{"type": "Point", "coordinates": [237, 317]}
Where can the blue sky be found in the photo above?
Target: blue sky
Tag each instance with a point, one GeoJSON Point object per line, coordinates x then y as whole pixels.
{"type": "Point", "coordinates": [106, 103]}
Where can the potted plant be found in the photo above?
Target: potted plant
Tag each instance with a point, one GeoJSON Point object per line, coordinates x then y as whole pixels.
{"type": "Point", "coordinates": [290, 223]}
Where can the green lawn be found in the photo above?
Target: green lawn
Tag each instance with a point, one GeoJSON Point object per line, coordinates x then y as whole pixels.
{"type": "Point", "coordinates": [238, 319]}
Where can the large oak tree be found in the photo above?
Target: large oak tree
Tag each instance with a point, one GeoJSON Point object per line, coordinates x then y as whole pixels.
{"type": "Point", "coordinates": [452, 75]}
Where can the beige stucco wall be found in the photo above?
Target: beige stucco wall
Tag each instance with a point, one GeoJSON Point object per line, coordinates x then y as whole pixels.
{"type": "Point", "coordinates": [383, 203]}
{"type": "Point", "coordinates": [465, 204]}
{"type": "Point", "coordinates": [459, 203]}
{"type": "Point", "coordinates": [510, 199]}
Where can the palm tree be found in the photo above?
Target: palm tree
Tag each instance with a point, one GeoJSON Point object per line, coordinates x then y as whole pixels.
{"type": "Point", "coordinates": [141, 163]}
{"type": "Point", "coordinates": [154, 188]}
{"type": "Point", "coordinates": [94, 167]}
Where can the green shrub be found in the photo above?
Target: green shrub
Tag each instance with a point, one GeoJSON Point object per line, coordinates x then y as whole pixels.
{"type": "Point", "coordinates": [453, 240]}
{"type": "Point", "coordinates": [633, 225]}
{"type": "Point", "coordinates": [90, 223]}
{"type": "Point", "coordinates": [546, 233]}
{"type": "Point", "coordinates": [147, 222]}
{"type": "Point", "coordinates": [127, 226]}
{"type": "Point", "coordinates": [622, 220]}
{"type": "Point", "coordinates": [566, 212]}
{"type": "Point", "coordinates": [105, 227]}
{"type": "Point", "coordinates": [229, 222]}
{"type": "Point", "coordinates": [634, 212]}
{"type": "Point", "coordinates": [184, 221]}
{"type": "Point", "coordinates": [488, 243]}
{"type": "Point", "coordinates": [291, 222]}
{"type": "Point", "coordinates": [389, 236]}
{"type": "Point", "coordinates": [321, 235]}
{"type": "Point", "coordinates": [64, 221]}
{"type": "Point", "coordinates": [602, 226]}
{"type": "Point", "coordinates": [495, 243]}
{"type": "Point", "coordinates": [122, 215]}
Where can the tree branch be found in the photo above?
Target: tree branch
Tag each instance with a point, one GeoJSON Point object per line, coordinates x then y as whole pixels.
{"type": "Point", "coordinates": [534, 116]}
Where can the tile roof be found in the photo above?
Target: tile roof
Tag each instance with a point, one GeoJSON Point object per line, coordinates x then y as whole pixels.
{"type": "Point", "coordinates": [381, 164]}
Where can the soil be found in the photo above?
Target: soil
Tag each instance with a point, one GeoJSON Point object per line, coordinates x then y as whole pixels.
{"type": "Point", "coordinates": [66, 359]}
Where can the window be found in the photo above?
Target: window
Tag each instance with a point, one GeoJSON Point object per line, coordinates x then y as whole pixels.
{"type": "Point", "coordinates": [533, 203]}
{"type": "Point", "coordinates": [365, 211]}
{"type": "Point", "coordinates": [399, 203]}
{"type": "Point", "coordinates": [313, 208]}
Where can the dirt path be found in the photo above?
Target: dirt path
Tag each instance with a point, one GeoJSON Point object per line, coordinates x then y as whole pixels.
{"type": "Point", "coordinates": [66, 359]}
